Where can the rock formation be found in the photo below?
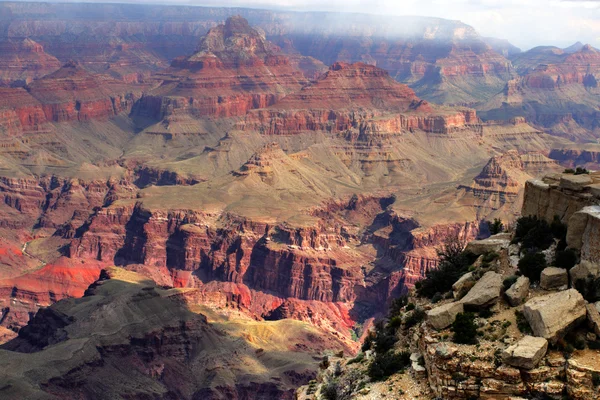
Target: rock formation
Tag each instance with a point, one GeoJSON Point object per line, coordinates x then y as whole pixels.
{"type": "Point", "coordinates": [23, 60]}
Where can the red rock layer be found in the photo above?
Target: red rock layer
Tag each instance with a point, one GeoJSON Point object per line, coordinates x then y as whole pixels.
{"type": "Point", "coordinates": [22, 60]}
{"type": "Point", "coordinates": [358, 96]}
{"type": "Point", "coordinates": [233, 71]}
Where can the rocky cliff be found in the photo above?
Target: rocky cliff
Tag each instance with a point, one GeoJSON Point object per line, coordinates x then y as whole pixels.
{"type": "Point", "coordinates": [23, 60]}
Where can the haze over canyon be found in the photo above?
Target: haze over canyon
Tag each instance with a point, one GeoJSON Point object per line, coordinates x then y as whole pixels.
{"type": "Point", "coordinates": [202, 202]}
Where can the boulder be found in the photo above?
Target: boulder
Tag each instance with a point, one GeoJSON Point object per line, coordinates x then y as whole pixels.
{"type": "Point", "coordinates": [461, 286]}
{"type": "Point", "coordinates": [443, 316]}
{"type": "Point", "coordinates": [593, 317]}
{"type": "Point", "coordinates": [575, 182]}
{"type": "Point", "coordinates": [517, 293]}
{"type": "Point", "coordinates": [494, 243]}
{"type": "Point", "coordinates": [526, 353]}
{"type": "Point", "coordinates": [581, 271]}
{"type": "Point", "coordinates": [584, 233]}
{"type": "Point", "coordinates": [485, 292]}
{"type": "Point", "coordinates": [554, 278]}
{"type": "Point", "coordinates": [552, 315]}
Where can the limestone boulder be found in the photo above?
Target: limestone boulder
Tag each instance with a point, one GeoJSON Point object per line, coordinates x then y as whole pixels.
{"type": "Point", "coordinates": [485, 292]}
{"type": "Point", "coordinates": [583, 270]}
{"type": "Point", "coordinates": [526, 353]}
{"type": "Point", "coordinates": [552, 315]}
{"type": "Point", "coordinates": [461, 286]}
{"type": "Point", "coordinates": [553, 278]}
{"type": "Point", "coordinates": [443, 316]}
{"type": "Point", "coordinates": [494, 243]}
{"type": "Point", "coordinates": [583, 233]}
{"type": "Point", "coordinates": [517, 293]}
{"type": "Point", "coordinates": [593, 317]}
{"type": "Point", "coordinates": [576, 183]}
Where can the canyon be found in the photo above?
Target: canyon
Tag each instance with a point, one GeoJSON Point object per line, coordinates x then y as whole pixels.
{"type": "Point", "coordinates": [239, 188]}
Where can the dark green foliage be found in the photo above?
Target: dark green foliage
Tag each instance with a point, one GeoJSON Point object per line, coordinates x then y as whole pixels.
{"type": "Point", "coordinates": [569, 171]}
{"type": "Point", "coordinates": [496, 227]}
{"type": "Point", "coordinates": [437, 298]}
{"type": "Point", "coordinates": [531, 265]}
{"type": "Point", "coordinates": [395, 323]}
{"type": "Point", "coordinates": [589, 288]}
{"type": "Point", "coordinates": [508, 282]}
{"type": "Point", "coordinates": [566, 259]}
{"type": "Point", "coordinates": [387, 364]}
{"type": "Point", "coordinates": [464, 328]}
{"type": "Point", "coordinates": [485, 313]}
{"type": "Point", "coordinates": [367, 343]}
{"type": "Point", "coordinates": [415, 318]}
{"type": "Point", "coordinates": [454, 263]}
{"type": "Point", "coordinates": [410, 306]}
{"type": "Point", "coordinates": [359, 357]}
{"type": "Point", "coordinates": [558, 228]}
{"type": "Point", "coordinates": [330, 390]}
{"type": "Point", "coordinates": [533, 233]}
{"type": "Point", "coordinates": [595, 379]}
{"type": "Point", "coordinates": [490, 256]}
{"type": "Point", "coordinates": [522, 323]}
{"type": "Point", "coordinates": [581, 171]}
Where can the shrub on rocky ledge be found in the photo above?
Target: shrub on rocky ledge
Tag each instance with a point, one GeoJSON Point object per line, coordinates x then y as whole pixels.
{"type": "Point", "coordinates": [387, 364]}
{"type": "Point", "coordinates": [566, 259]}
{"type": "Point", "coordinates": [531, 265]}
{"type": "Point", "coordinates": [454, 263]}
{"type": "Point", "coordinates": [465, 329]}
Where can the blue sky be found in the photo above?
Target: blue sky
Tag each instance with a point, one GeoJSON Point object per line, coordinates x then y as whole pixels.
{"type": "Point", "coordinates": [526, 23]}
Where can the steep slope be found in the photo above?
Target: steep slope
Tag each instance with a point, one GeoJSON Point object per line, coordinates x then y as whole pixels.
{"type": "Point", "coordinates": [153, 345]}
{"type": "Point", "coordinates": [22, 60]}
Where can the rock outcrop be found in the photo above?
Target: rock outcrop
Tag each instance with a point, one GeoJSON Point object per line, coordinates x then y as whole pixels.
{"type": "Point", "coordinates": [550, 316]}
{"type": "Point", "coordinates": [23, 60]}
{"type": "Point", "coordinates": [443, 316]}
{"type": "Point", "coordinates": [485, 292]}
{"type": "Point", "coordinates": [517, 293]}
{"type": "Point", "coordinates": [526, 353]}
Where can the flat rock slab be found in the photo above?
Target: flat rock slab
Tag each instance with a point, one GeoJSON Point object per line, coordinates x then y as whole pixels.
{"type": "Point", "coordinates": [575, 182]}
{"type": "Point", "coordinates": [443, 316]}
{"type": "Point", "coordinates": [486, 291]}
{"type": "Point", "coordinates": [518, 292]}
{"type": "Point", "coordinates": [554, 278]}
{"type": "Point", "coordinates": [526, 353]}
{"type": "Point", "coordinates": [494, 243]}
{"type": "Point", "coordinates": [552, 315]}
{"type": "Point", "coordinates": [459, 288]}
{"type": "Point", "coordinates": [593, 317]}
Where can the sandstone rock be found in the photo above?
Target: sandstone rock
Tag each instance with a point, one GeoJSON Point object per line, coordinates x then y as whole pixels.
{"type": "Point", "coordinates": [584, 233]}
{"type": "Point", "coordinates": [554, 278]}
{"type": "Point", "coordinates": [583, 270]}
{"type": "Point", "coordinates": [492, 244]}
{"type": "Point", "coordinates": [593, 317]}
{"type": "Point", "coordinates": [443, 316]}
{"type": "Point", "coordinates": [485, 292]}
{"type": "Point", "coordinates": [460, 287]}
{"type": "Point", "coordinates": [526, 353]}
{"type": "Point", "coordinates": [575, 182]}
{"type": "Point", "coordinates": [552, 315]}
{"type": "Point", "coordinates": [518, 291]}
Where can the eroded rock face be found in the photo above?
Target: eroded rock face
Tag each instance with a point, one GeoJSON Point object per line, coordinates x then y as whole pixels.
{"type": "Point", "coordinates": [23, 60]}
{"type": "Point", "coordinates": [526, 353]}
{"type": "Point", "coordinates": [550, 316]}
{"type": "Point", "coordinates": [584, 233]}
{"type": "Point", "coordinates": [495, 244]}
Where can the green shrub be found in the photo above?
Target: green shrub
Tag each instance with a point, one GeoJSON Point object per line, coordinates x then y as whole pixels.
{"type": "Point", "coordinates": [485, 313]}
{"type": "Point", "coordinates": [522, 323]}
{"type": "Point", "coordinates": [569, 171]}
{"type": "Point", "coordinates": [359, 357]}
{"type": "Point", "coordinates": [329, 390]}
{"type": "Point", "coordinates": [566, 259]}
{"type": "Point", "coordinates": [454, 263]}
{"type": "Point", "coordinates": [558, 228]}
{"type": "Point", "coordinates": [581, 171]}
{"type": "Point", "coordinates": [508, 282]}
{"type": "Point", "coordinates": [595, 379]}
{"type": "Point", "coordinates": [464, 328]}
{"type": "Point", "coordinates": [387, 364]}
{"type": "Point", "coordinates": [531, 265]}
{"type": "Point", "coordinates": [533, 233]}
{"type": "Point", "coordinates": [396, 305]}
{"type": "Point", "coordinates": [589, 288]}
{"type": "Point", "coordinates": [415, 318]}
{"type": "Point", "coordinates": [367, 343]}
{"type": "Point", "coordinates": [496, 227]}
{"type": "Point", "coordinates": [395, 323]}
{"type": "Point", "coordinates": [410, 306]}
{"type": "Point", "coordinates": [490, 256]}
{"type": "Point", "coordinates": [437, 298]}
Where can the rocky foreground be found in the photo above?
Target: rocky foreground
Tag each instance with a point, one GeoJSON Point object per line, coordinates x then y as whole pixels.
{"type": "Point", "coordinates": [534, 335]}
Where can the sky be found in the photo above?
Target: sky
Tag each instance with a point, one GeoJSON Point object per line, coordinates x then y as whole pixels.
{"type": "Point", "coordinates": [525, 23]}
